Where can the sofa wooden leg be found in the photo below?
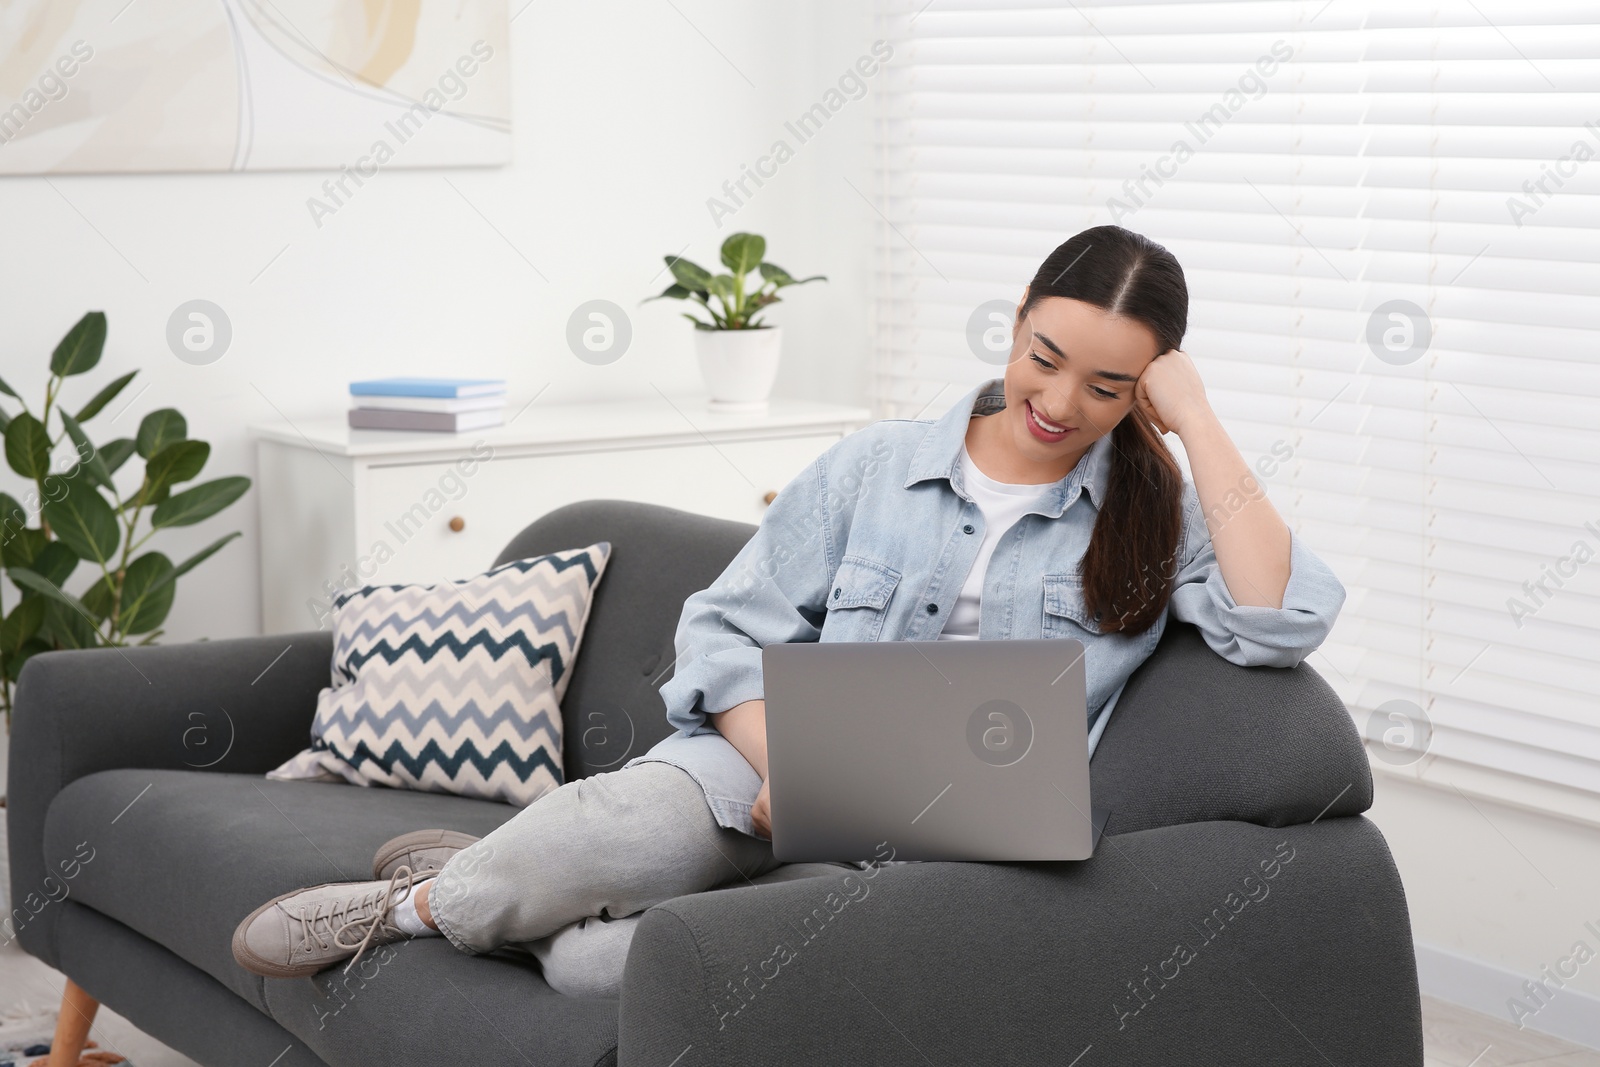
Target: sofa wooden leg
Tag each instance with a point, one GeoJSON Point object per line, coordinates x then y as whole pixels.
{"type": "Point", "coordinates": [72, 1025]}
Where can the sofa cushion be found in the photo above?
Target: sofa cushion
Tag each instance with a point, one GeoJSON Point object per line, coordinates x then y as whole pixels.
{"type": "Point", "coordinates": [454, 687]}
{"type": "Point", "coordinates": [659, 557]}
{"type": "Point", "coordinates": [1195, 738]}
{"type": "Point", "coordinates": [182, 856]}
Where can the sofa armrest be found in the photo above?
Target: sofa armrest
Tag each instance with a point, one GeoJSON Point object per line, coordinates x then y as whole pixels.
{"type": "Point", "coordinates": [1295, 949]}
{"type": "Point", "coordinates": [1195, 738]}
{"type": "Point", "coordinates": [243, 705]}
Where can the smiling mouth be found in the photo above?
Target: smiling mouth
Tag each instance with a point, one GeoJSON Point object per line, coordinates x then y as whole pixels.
{"type": "Point", "coordinates": [1046, 427]}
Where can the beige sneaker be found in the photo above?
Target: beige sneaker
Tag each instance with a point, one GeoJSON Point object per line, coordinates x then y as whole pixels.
{"type": "Point", "coordinates": [424, 851]}
{"type": "Point", "coordinates": [309, 930]}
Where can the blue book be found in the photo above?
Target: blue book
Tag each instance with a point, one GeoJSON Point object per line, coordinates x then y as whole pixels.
{"type": "Point", "coordinates": [428, 387]}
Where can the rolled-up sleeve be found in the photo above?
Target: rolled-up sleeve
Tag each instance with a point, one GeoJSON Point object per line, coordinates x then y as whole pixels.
{"type": "Point", "coordinates": [774, 591]}
{"type": "Point", "coordinates": [1252, 635]}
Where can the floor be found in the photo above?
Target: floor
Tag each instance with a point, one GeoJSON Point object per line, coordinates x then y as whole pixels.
{"type": "Point", "coordinates": [1454, 1037]}
{"type": "Point", "coordinates": [25, 983]}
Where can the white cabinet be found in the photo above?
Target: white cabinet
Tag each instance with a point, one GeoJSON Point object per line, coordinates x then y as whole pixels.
{"type": "Point", "coordinates": [342, 508]}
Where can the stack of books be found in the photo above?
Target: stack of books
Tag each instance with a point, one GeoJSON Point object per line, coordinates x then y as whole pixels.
{"type": "Point", "coordinates": [449, 405]}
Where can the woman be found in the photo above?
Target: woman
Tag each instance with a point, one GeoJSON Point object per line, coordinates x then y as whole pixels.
{"type": "Point", "coordinates": [1044, 504]}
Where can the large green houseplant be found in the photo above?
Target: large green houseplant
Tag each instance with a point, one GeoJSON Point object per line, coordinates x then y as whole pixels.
{"type": "Point", "coordinates": [82, 516]}
{"type": "Point", "coordinates": [738, 352]}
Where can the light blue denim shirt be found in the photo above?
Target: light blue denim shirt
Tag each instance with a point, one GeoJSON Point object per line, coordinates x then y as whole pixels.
{"type": "Point", "coordinates": [873, 542]}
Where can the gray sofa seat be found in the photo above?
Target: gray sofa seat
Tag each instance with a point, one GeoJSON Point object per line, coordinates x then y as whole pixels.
{"type": "Point", "coordinates": [1207, 767]}
{"type": "Point", "coordinates": [191, 854]}
{"type": "Point", "coordinates": [197, 852]}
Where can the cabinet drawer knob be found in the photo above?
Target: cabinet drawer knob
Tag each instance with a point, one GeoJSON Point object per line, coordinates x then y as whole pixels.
{"type": "Point", "coordinates": [769, 497]}
{"type": "Point", "coordinates": [458, 524]}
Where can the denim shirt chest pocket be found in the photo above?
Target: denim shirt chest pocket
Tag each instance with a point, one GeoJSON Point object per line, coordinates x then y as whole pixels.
{"type": "Point", "coordinates": [858, 600]}
{"type": "Point", "coordinates": [1067, 615]}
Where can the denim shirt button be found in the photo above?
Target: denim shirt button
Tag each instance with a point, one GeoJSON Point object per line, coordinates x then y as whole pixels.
{"type": "Point", "coordinates": [836, 594]}
{"type": "Point", "coordinates": [968, 528]}
{"type": "Point", "coordinates": [933, 609]}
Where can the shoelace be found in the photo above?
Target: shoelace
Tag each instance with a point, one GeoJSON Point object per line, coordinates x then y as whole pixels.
{"type": "Point", "coordinates": [365, 914]}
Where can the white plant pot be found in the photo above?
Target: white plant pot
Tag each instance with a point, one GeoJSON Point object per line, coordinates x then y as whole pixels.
{"type": "Point", "coordinates": [739, 366]}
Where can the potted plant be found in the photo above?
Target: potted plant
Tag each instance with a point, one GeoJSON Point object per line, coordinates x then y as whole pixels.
{"type": "Point", "coordinates": [84, 519]}
{"type": "Point", "coordinates": [738, 353]}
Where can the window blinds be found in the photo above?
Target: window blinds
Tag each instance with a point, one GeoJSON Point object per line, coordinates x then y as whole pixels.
{"type": "Point", "coordinates": [1388, 215]}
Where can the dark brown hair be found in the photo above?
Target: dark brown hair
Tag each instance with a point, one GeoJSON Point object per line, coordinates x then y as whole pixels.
{"type": "Point", "coordinates": [1128, 569]}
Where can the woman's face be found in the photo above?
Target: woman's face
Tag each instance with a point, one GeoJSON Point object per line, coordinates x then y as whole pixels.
{"type": "Point", "coordinates": [1070, 380]}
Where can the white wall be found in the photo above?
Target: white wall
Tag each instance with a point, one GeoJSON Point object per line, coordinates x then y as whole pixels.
{"type": "Point", "coordinates": [1496, 894]}
{"type": "Point", "coordinates": [626, 120]}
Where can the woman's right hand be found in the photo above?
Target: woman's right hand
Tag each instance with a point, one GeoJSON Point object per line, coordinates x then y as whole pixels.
{"type": "Point", "coordinates": [761, 813]}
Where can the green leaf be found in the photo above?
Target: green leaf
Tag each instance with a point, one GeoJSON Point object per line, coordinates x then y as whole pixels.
{"type": "Point", "coordinates": [147, 592]}
{"type": "Point", "coordinates": [6, 389]}
{"type": "Point", "coordinates": [54, 561]}
{"type": "Point", "coordinates": [166, 580]}
{"type": "Point", "coordinates": [27, 579]}
{"type": "Point", "coordinates": [178, 462]}
{"type": "Point", "coordinates": [204, 554]}
{"type": "Point", "coordinates": [115, 453]}
{"type": "Point", "coordinates": [773, 273]}
{"type": "Point", "coordinates": [13, 520]}
{"type": "Point", "coordinates": [80, 349]}
{"type": "Point", "coordinates": [19, 626]}
{"type": "Point", "coordinates": [97, 599]}
{"type": "Point", "coordinates": [198, 503]}
{"type": "Point", "coordinates": [23, 546]}
{"type": "Point", "coordinates": [149, 499]}
{"type": "Point", "coordinates": [741, 252]}
{"type": "Point", "coordinates": [84, 522]}
{"type": "Point", "coordinates": [722, 285]}
{"type": "Point", "coordinates": [93, 466]}
{"type": "Point", "coordinates": [675, 291]}
{"type": "Point", "coordinates": [159, 429]}
{"type": "Point", "coordinates": [5, 420]}
{"type": "Point", "coordinates": [103, 397]}
{"type": "Point", "coordinates": [11, 664]}
{"type": "Point", "coordinates": [691, 276]}
{"type": "Point", "coordinates": [28, 447]}
{"type": "Point", "coordinates": [698, 324]}
{"type": "Point", "coordinates": [68, 626]}
{"type": "Point", "coordinates": [781, 278]}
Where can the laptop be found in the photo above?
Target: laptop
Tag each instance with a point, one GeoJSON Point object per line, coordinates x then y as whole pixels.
{"type": "Point", "coordinates": [929, 750]}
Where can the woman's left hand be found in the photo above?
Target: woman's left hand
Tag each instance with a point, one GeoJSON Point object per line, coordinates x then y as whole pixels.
{"type": "Point", "coordinates": [1170, 391]}
{"type": "Point", "coordinates": [761, 813]}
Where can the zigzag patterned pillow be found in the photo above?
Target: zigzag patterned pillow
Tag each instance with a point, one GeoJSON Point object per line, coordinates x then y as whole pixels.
{"type": "Point", "coordinates": [454, 687]}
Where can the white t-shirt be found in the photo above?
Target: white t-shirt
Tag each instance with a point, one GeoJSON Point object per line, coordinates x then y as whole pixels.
{"type": "Point", "coordinates": [1002, 505]}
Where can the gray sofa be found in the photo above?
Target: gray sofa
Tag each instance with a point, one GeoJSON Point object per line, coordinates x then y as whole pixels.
{"type": "Point", "coordinates": [1235, 832]}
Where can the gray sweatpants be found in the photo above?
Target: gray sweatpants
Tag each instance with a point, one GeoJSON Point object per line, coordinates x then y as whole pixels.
{"type": "Point", "coordinates": [569, 876]}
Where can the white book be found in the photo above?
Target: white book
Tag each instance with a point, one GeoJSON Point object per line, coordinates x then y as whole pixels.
{"type": "Point", "coordinates": [446, 421]}
{"type": "Point", "coordinates": [431, 403]}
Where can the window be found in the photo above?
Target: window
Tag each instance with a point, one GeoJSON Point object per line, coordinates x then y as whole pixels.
{"type": "Point", "coordinates": [1389, 214]}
